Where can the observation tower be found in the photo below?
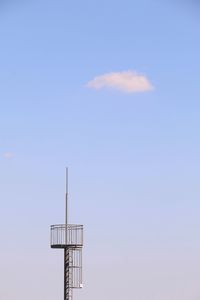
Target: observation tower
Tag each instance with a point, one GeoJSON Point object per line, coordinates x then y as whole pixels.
{"type": "Point", "coordinates": [69, 237]}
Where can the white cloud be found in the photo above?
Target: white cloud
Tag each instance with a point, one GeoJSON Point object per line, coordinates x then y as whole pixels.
{"type": "Point", "coordinates": [8, 155]}
{"type": "Point", "coordinates": [126, 81]}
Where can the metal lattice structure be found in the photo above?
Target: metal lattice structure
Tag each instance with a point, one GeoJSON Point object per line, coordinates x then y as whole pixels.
{"type": "Point", "coordinates": [69, 237]}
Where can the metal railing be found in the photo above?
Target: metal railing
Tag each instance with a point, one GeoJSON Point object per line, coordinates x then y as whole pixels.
{"type": "Point", "coordinates": [75, 268]}
{"type": "Point", "coordinates": [63, 235]}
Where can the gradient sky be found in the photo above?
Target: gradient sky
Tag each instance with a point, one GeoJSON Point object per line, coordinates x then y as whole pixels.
{"type": "Point", "coordinates": [133, 157]}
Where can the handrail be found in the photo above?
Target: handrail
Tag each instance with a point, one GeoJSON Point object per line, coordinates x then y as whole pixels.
{"type": "Point", "coordinates": [67, 225]}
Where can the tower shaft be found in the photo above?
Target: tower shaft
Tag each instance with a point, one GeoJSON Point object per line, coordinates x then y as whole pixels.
{"type": "Point", "coordinates": [68, 274]}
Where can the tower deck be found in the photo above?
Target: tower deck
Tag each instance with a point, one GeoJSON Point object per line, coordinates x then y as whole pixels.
{"type": "Point", "coordinates": [66, 236]}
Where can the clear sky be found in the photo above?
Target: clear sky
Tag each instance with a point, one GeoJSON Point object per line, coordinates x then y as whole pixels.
{"type": "Point", "coordinates": [111, 90]}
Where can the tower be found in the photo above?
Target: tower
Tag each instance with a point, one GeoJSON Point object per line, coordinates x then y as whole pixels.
{"type": "Point", "coordinates": [69, 237]}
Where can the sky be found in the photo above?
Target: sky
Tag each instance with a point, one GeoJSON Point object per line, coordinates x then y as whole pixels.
{"type": "Point", "coordinates": [111, 90]}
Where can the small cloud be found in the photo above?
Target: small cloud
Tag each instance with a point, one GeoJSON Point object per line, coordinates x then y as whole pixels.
{"type": "Point", "coordinates": [127, 81]}
{"type": "Point", "coordinates": [8, 155]}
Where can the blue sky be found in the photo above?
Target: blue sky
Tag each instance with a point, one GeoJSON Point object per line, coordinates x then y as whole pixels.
{"type": "Point", "coordinates": [133, 156]}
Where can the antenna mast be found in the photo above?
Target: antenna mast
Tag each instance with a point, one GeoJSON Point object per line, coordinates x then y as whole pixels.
{"type": "Point", "coordinates": [66, 198]}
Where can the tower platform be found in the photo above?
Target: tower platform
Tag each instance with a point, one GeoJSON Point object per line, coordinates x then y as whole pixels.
{"type": "Point", "coordinates": [66, 236]}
